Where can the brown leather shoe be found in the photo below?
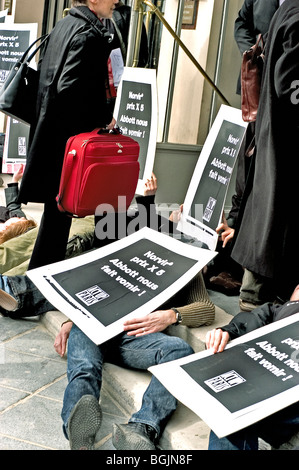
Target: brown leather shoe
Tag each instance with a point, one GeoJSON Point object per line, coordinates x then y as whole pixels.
{"type": "Point", "coordinates": [225, 283]}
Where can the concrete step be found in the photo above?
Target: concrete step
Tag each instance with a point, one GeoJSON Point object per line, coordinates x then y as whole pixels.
{"type": "Point", "coordinates": [185, 430]}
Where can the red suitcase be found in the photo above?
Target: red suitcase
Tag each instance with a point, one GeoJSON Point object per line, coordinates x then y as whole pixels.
{"type": "Point", "coordinates": [98, 167]}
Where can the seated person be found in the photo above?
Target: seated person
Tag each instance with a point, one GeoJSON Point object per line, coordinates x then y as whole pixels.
{"type": "Point", "coordinates": [20, 296]}
{"type": "Point", "coordinates": [282, 425]}
{"type": "Point", "coordinates": [13, 221]}
{"type": "Point", "coordinates": [15, 252]}
{"type": "Point", "coordinates": [142, 345]}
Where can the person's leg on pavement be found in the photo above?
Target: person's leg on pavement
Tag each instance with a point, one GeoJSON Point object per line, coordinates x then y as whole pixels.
{"type": "Point", "coordinates": [280, 427]}
{"type": "Point", "coordinates": [146, 425]}
{"type": "Point", "coordinates": [276, 430]}
{"type": "Point", "coordinates": [81, 413]}
{"type": "Point", "coordinates": [255, 290]}
{"type": "Point", "coordinates": [52, 237]}
{"type": "Point", "coordinates": [19, 297]}
{"type": "Point", "coordinates": [238, 441]}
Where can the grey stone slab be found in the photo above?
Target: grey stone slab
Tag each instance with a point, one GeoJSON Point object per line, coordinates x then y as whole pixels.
{"type": "Point", "coordinates": [55, 390]}
{"type": "Point", "coordinates": [10, 328]}
{"type": "Point", "coordinates": [28, 372]}
{"type": "Point", "coordinates": [37, 342]}
{"type": "Point", "coordinates": [36, 421]}
{"type": "Point", "coordinates": [9, 396]}
{"type": "Point", "coordinates": [7, 443]}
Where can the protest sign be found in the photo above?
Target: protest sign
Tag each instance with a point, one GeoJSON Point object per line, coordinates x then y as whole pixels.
{"type": "Point", "coordinates": [15, 145]}
{"type": "Point", "coordinates": [205, 198]}
{"type": "Point", "coordinates": [14, 40]}
{"type": "Point", "coordinates": [256, 376]}
{"type": "Point", "coordinates": [136, 114]}
{"type": "Point", "coordinates": [128, 278]}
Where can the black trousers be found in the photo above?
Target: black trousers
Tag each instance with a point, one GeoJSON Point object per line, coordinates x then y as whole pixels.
{"type": "Point", "coordinates": [52, 238]}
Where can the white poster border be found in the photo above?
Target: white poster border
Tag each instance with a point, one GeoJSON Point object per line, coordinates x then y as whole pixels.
{"type": "Point", "coordinates": [97, 332]}
{"type": "Point", "coordinates": [187, 224]}
{"type": "Point", "coordinates": [147, 76]}
{"type": "Point", "coordinates": [179, 383]}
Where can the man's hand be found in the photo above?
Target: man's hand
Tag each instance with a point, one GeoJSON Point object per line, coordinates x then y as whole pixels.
{"type": "Point", "coordinates": [62, 337]}
{"type": "Point", "coordinates": [150, 187]}
{"type": "Point", "coordinates": [225, 232]}
{"type": "Point", "coordinates": [217, 340]}
{"type": "Point", "coordinates": [153, 323]}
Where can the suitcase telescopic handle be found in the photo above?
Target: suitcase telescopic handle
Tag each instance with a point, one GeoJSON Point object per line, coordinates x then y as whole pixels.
{"type": "Point", "coordinates": [115, 130]}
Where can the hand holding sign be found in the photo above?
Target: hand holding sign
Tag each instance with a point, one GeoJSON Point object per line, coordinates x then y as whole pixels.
{"type": "Point", "coordinates": [217, 340]}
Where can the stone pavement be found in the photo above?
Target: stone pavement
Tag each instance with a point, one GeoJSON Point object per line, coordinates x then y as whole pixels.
{"type": "Point", "coordinates": [32, 383]}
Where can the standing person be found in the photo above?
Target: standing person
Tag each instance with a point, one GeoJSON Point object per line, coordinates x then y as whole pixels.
{"type": "Point", "coordinates": [119, 26]}
{"type": "Point", "coordinates": [267, 238]}
{"type": "Point", "coordinates": [71, 100]}
{"type": "Point", "coordinates": [253, 19]}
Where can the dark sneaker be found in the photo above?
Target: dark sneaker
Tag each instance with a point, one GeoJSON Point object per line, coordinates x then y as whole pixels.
{"type": "Point", "coordinates": [84, 422]}
{"type": "Point", "coordinates": [133, 436]}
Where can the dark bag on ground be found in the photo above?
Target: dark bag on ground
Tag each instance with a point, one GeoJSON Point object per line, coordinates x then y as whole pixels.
{"type": "Point", "coordinates": [98, 167]}
{"type": "Point", "coordinates": [18, 94]}
{"type": "Point", "coordinates": [251, 78]}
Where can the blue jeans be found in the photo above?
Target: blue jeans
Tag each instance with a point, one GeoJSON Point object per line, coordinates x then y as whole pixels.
{"type": "Point", "coordinates": [85, 365]}
{"type": "Point", "coordinates": [275, 430]}
{"type": "Point", "coordinates": [31, 301]}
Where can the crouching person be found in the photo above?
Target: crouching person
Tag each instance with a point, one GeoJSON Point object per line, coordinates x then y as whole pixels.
{"type": "Point", "coordinates": [280, 427]}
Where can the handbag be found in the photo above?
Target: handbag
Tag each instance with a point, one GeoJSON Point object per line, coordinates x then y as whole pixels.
{"type": "Point", "coordinates": [18, 94]}
{"type": "Point", "coordinates": [98, 168]}
{"type": "Point", "coordinates": [251, 78]}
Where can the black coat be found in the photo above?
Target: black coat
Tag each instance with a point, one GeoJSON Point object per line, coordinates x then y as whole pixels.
{"type": "Point", "coordinates": [253, 19]}
{"type": "Point", "coordinates": [268, 236]}
{"type": "Point", "coordinates": [245, 322]}
{"type": "Point", "coordinates": [121, 17]}
{"type": "Point", "coordinates": [71, 99]}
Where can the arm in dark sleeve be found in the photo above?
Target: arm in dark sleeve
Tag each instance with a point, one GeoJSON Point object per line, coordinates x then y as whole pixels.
{"type": "Point", "coordinates": [286, 72]}
{"type": "Point", "coordinates": [244, 322]}
{"type": "Point", "coordinates": [146, 210]}
{"type": "Point", "coordinates": [244, 28]}
{"type": "Point", "coordinates": [149, 217]}
{"type": "Point", "coordinates": [11, 195]}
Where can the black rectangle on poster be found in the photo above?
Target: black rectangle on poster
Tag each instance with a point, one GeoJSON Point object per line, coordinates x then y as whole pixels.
{"type": "Point", "coordinates": [13, 44]}
{"type": "Point", "coordinates": [113, 286]}
{"type": "Point", "coordinates": [250, 372]}
{"type": "Point", "coordinates": [217, 173]}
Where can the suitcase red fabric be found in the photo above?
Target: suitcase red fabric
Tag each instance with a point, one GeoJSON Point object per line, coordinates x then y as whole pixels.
{"type": "Point", "coordinates": [98, 167]}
